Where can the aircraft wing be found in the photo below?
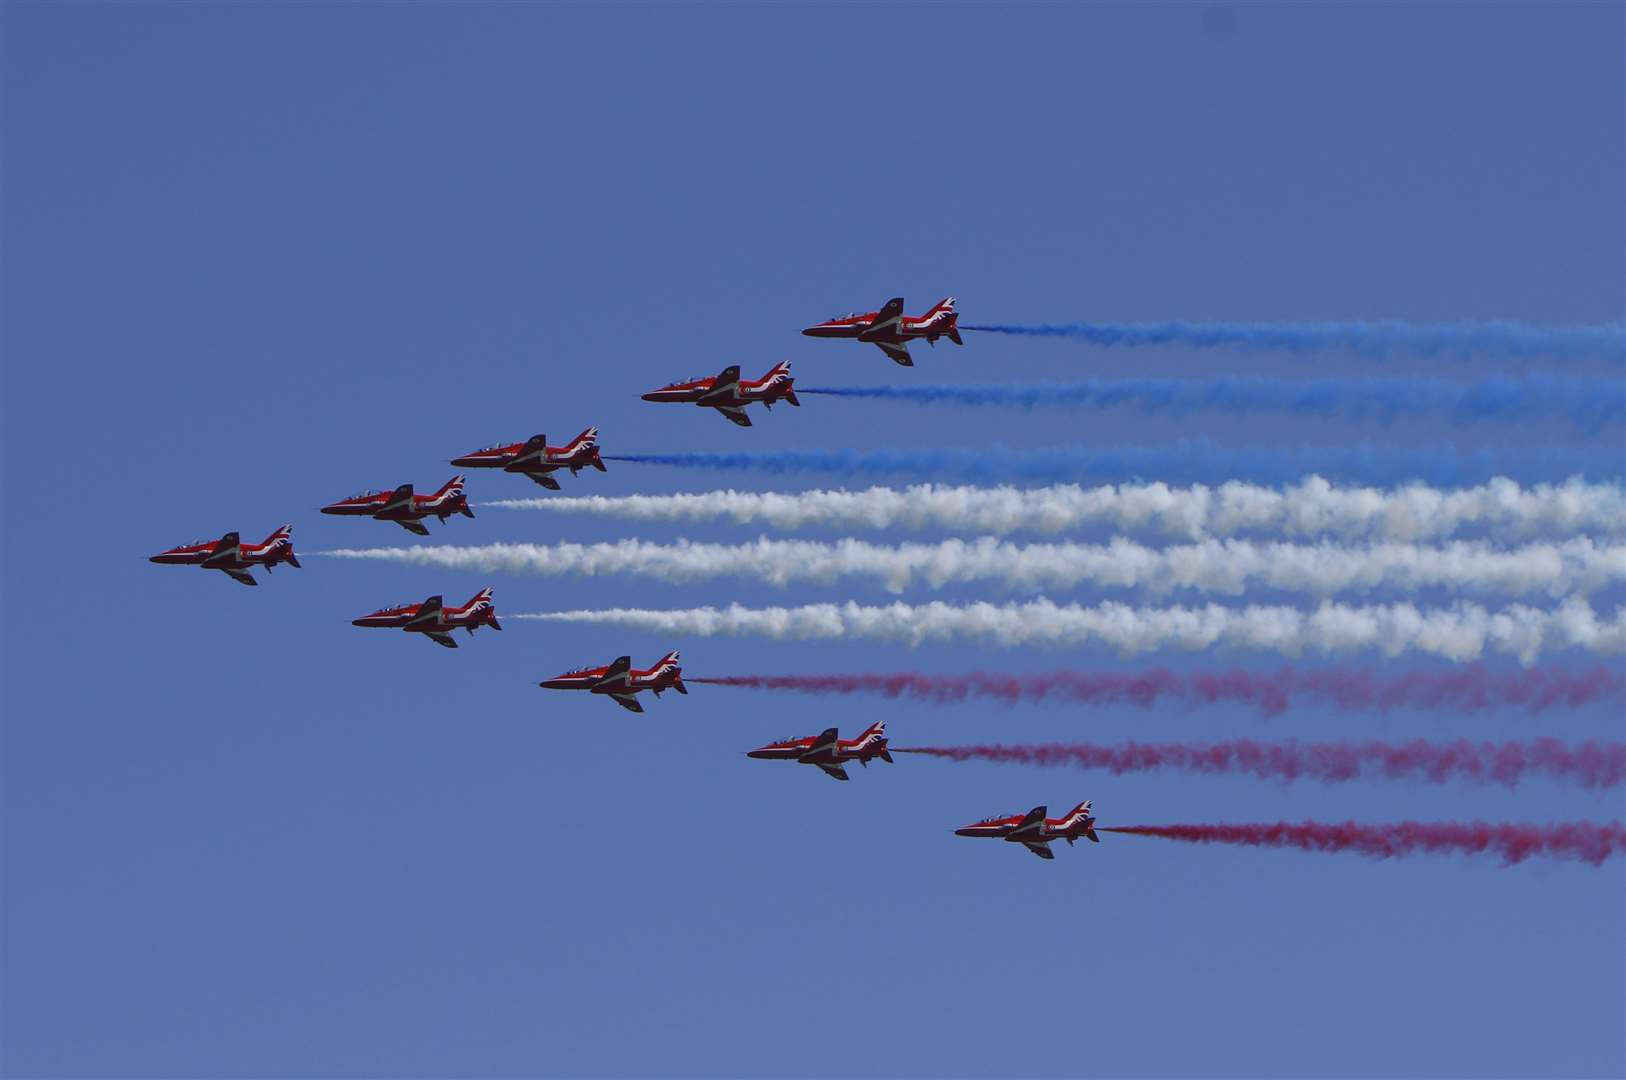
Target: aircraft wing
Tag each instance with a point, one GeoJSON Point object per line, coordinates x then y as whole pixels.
{"type": "Point", "coordinates": [224, 553]}
{"type": "Point", "coordinates": [899, 353]}
{"type": "Point", "coordinates": [239, 575]}
{"type": "Point", "coordinates": [545, 480]}
{"type": "Point", "coordinates": [1031, 825]}
{"type": "Point", "coordinates": [735, 414]}
{"type": "Point", "coordinates": [412, 526]}
{"type": "Point", "coordinates": [825, 744]}
{"type": "Point", "coordinates": [440, 638]}
{"type": "Point", "coordinates": [833, 770]}
{"type": "Point", "coordinates": [723, 387]}
{"type": "Point", "coordinates": [627, 701]}
{"type": "Point", "coordinates": [400, 497]}
{"type": "Point", "coordinates": [886, 321]}
{"type": "Point", "coordinates": [428, 614]}
{"type": "Point", "coordinates": [1041, 850]}
{"type": "Point", "coordinates": [616, 673]}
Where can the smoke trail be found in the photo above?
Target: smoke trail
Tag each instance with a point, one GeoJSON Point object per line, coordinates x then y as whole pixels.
{"type": "Point", "coordinates": [1606, 340]}
{"type": "Point", "coordinates": [1587, 403]}
{"type": "Point", "coordinates": [1227, 567]}
{"type": "Point", "coordinates": [1190, 461]}
{"type": "Point", "coordinates": [1460, 633]}
{"type": "Point", "coordinates": [1467, 689]}
{"type": "Point", "coordinates": [1590, 764]}
{"type": "Point", "coordinates": [1514, 843]}
{"type": "Point", "coordinates": [1310, 507]}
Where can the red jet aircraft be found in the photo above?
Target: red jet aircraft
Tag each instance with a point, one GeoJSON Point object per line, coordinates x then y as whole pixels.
{"type": "Point", "coordinates": [829, 751]}
{"type": "Point", "coordinates": [232, 557]}
{"type": "Point", "coordinates": [1035, 831]}
{"type": "Point", "coordinates": [536, 459]}
{"type": "Point", "coordinates": [434, 619]}
{"type": "Point", "coordinates": [404, 508]}
{"type": "Point", "coordinates": [621, 680]}
{"type": "Point", "coordinates": [890, 330]}
{"type": "Point", "coordinates": [729, 394]}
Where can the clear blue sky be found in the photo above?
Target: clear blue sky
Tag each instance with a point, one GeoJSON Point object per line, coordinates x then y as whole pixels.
{"type": "Point", "coordinates": [260, 256]}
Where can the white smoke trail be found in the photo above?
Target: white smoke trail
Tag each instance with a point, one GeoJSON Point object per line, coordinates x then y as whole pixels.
{"type": "Point", "coordinates": [1460, 633]}
{"type": "Point", "coordinates": [1312, 507]}
{"type": "Point", "coordinates": [1225, 567]}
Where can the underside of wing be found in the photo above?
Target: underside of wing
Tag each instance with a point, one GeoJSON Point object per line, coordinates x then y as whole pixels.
{"type": "Point", "coordinates": [545, 480]}
{"type": "Point", "coordinates": [412, 526]}
{"type": "Point", "coordinates": [615, 674]}
{"type": "Point", "coordinates": [442, 639]}
{"type": "Point", "coordinates": [898, 353]}
{"type": "Point", "coordinates": [628, 702]}
{"type": "Point", "coordinates": [428, 615]}
{"type": "Point", "coordinates": [735, 414]}
{"type": "Point", "coordinates": [1041, 850]}
{"type": "Point", "coordinates": [835, 770]}
{"type": "Point", "coordinates": [241, 575]}
{"type": "Point", "coordinates": [723, 387]}
{"type": "Point", "coordinates": [1031, 825]}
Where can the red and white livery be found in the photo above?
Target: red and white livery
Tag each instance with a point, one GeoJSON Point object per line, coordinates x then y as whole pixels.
{"type": "Point", "coordinates": [536, 459]}
{"type": "Point", "coordinates": [828, 750]}
{"type": "Point", "coordinates": [1035, 831]}
{"type": "Point", "coordinates": [434, 619]}
{"type": "Point", "coordinates": [232, 557]}
{"type": "Point", "coordinates": [890, 330]}
{"type": "Point", "coordinates": [729, 394]}
{"type": "Point", "coordinates": [405, 508]}
{"type": "Point", "coordinates": [620, 680]}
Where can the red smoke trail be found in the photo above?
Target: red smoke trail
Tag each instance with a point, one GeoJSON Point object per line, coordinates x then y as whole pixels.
{"type": "Point", "coordinates": [1465, 689]}
{"type": "Point", "coordinates": [1514, 843]}
{"type": "Point", "coordinates": [1590, 764]}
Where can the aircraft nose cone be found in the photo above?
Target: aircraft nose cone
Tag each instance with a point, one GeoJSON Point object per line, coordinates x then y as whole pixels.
{"type": "Point", "coordinates": [464, 462]}
{"type": "Point", "coordinates": [966, 831]}
{"type": "Point", "coordinates": [651, 396]}
{"type": "Point", "coordinates": [155, 558]}
{"type": "Point", "coordinates": [756, 753]}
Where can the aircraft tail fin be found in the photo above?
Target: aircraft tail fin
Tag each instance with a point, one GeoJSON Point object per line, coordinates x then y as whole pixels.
{"type": "Point", "coordinates": [280, 548]}
{"type": "Point", "coordinates": [587, 445]}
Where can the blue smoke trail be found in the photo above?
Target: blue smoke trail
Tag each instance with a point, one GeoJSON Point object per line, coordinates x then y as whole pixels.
{"type": "Point", "coordinates": [1606, 340]}
{"type": "Point", "coordinates": [1588, 403]}
{"type": "Point", "coordinates": [1187, 461]}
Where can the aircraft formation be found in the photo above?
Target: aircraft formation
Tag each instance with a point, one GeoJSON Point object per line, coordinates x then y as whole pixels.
{"type": "Point", "coordinates": [887, 328]}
